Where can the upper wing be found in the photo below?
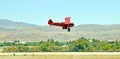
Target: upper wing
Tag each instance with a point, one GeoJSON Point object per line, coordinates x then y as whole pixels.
{"type": "Point", "coordinates": [67, 20]}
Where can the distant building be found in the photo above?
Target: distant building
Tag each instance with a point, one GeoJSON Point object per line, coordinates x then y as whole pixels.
{"type": "Point", "coordinates": [65, 46]}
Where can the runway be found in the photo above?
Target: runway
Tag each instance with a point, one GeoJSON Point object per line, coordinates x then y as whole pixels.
{"type": "Point", "coordinates": [63, 53]}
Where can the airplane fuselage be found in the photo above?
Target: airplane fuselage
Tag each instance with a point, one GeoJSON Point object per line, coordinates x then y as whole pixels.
{"type": "Point", "coordinates": [65, 25]}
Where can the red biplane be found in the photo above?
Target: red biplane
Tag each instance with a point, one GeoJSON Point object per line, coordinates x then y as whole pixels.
{"type": "Point", "coordinates": [65, 25]}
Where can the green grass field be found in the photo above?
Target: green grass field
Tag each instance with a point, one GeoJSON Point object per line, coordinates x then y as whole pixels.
{"type": "Point", "coordinates": [60, 56]}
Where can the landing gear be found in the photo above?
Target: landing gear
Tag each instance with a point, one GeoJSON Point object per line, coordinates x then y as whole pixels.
{"type": "Point", "coordinates": [68, 29]}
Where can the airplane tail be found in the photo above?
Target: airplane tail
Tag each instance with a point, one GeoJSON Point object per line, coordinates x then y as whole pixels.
{"type": "Point", "coordinates": [67, 20]}
{"type": "Point", "coordinates": [50, 22]}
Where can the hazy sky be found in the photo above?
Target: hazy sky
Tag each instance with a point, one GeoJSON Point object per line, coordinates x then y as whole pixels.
{"type": "Point", "coordinates": [81, 11]}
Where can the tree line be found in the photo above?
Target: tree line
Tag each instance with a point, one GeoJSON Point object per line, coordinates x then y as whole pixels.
{"type": "Point", "coordinates": [79, 45]}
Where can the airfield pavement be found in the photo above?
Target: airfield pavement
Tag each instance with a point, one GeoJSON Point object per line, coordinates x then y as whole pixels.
{"type": "Point", "coordinates": [61, 55]}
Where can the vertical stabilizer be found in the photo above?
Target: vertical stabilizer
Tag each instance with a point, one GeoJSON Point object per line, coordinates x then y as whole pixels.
{"type": "Point", "coordinates": [50, 22]}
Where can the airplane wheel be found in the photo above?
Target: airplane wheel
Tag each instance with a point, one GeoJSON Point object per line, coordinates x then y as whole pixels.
{"type": "Point", "coordinates": [68, 29]}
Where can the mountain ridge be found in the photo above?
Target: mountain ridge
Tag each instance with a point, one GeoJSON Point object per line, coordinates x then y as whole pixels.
{"type": "Point", "coordinates": [9, 23]}
{"type": "Point", "coordinates": [29, 32]}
